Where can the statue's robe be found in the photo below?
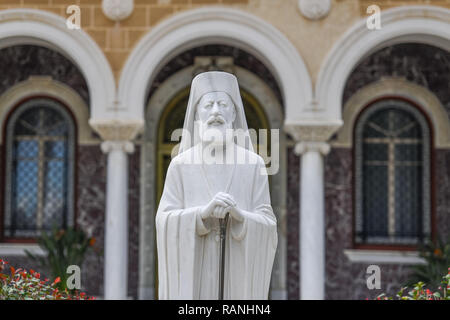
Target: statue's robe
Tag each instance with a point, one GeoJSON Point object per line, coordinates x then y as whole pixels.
{"type": "Point", "coordinates": [188, 247]}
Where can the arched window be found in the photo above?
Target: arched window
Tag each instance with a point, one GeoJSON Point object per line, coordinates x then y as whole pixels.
{"type": "Point", "coordinates": [392, 190]}
{"type": "Point", "coordinates": [39, 163]}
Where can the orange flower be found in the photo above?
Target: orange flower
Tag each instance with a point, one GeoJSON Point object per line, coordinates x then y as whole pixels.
{"type": "Point", "coordinates": [92, 241]}
{"type": "Point", "coordinates": [438, 252]}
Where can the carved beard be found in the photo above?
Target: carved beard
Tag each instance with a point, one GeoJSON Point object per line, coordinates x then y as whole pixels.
{"type": "Point", "coordinates": [215, 134]}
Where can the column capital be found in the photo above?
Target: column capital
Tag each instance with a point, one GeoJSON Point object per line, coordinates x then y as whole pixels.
{"type": "Point", "coordinates": [313, 131]}
{"type": "Point", "coordinates": [117, 130]}
{"type": "Point", "coordinates": [305, 146]}
{"type": "Point", "coordinates": [123, 145]}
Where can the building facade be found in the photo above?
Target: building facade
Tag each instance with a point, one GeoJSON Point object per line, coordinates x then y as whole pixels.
{"type": "Point", "coordinates": [362, 110]}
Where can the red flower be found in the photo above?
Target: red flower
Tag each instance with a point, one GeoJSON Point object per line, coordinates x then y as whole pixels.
{"type": "Point", "coordinates": [57, 280]}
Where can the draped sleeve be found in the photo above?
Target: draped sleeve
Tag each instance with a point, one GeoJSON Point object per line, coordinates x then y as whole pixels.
{"type": "Point", "coordinates": [176, 230]}
{"type": "Point", "coordinates": [253, 242]}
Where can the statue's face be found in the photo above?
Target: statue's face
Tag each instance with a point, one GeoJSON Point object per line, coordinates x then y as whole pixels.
{"type": "Point", "coordinates": [216, 110]}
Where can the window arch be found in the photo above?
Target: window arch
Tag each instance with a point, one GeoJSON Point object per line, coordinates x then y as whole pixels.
{"type": "Point", "coordinates": [39, 169]}
{"type": "Point", "coordinates": [392, 159]}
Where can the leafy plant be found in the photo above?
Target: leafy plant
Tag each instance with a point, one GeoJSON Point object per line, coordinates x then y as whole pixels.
{"type": "Point", "coordinates": [64, 247]}
{"type": "Point", "coordinates": [437, 257]}
{"type": "Point", "coordinates": [420, 292]}
{"type": "Point", "coordinates": [28, 285]}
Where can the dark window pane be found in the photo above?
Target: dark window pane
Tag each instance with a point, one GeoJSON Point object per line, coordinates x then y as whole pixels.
{"type": "Point", "coordinates": [55, 149]}
{"type": "Point", "coordinates": [375, 152]}
{"type": "Point", "coordinates": [379, 119]}
{"type": "Point", "coordinates": [375, 201]}
{"type": "Point", "coordinates": [28, 123]}
{"type": "Point", "coordinates": [408, 201]}
{"type": "Point", "coordinates": [409, 153]}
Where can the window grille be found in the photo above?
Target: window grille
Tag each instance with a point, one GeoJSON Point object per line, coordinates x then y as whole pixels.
{"type": "Point", "coordinates": [392, 151]}
{"type": "Point", "coordinates": [39, 169]}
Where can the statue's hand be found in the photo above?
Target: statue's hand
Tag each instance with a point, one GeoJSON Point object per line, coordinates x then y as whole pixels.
{"type": "Point", "coordinates": [218, 206]}
{"type": "Point", "coordinates": [236, 213]}
{"type": "Point", "coordinates": [220, 201]}
{"type": "Point", "coordinates": [232, 208]}
{"type": "Point", "coordinates": [220, 212]}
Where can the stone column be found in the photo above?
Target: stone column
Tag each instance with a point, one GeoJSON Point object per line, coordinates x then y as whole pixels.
{"type": "Point", "coordinates": [117, 136]}
{"type": "Point", "coordinates": [116, 220]}
{"type": "Point", "coordinates": [312, 147]}
{"type": "Point", "coordinates": [312, 219]}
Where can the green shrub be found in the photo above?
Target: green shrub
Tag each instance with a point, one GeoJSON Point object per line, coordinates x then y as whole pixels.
{"type": "Point", "coordinates": [420, 292]}
{"type": "Point", "coordinates": [437, 258]}
{"type": "Point", "coordinates": [63, 248]}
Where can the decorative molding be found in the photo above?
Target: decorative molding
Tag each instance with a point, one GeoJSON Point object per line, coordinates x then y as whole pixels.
{"type": "Point", "coordinates": [303, 147]}
{"type": "Point", "coordinates": [314, 9]}
{"type": "Point", "coordinates": [383, 256]}
{"type": "Point", "coordinates": [18, 249]}
{"type": "Point", "coordinates": [46, 86]}
{"type": "Point", "coordinates": [219, 25]}
{"type": "Point", "coordinates": [108, 146]}
{"type": "Point", "coordinates": [395, 87]}
{"type": "Point", "coordinates": [422, 24]}
{"type": "Point", "coordinates": [117, 10]}
{"type": "Point", "coordinates": [310, 131]}
{"type": "Point", "coordinates": [39, 27]}
{"type": "Point", "coordinates": [117, 130]}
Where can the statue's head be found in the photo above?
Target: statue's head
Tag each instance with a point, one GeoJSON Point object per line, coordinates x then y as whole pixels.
{"type": "Point", "coordinates": [215, 111]}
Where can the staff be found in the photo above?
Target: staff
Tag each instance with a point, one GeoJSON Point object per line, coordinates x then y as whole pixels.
{"type": "Point", "coordinates": [223, 232]}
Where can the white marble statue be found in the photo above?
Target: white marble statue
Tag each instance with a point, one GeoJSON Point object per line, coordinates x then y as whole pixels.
{"type": "Point", "coordinates": [208, 179]}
